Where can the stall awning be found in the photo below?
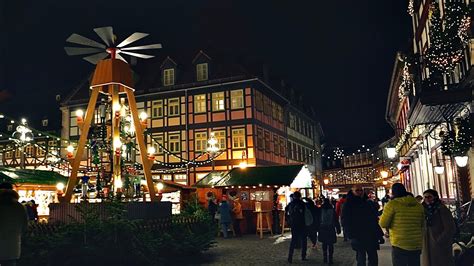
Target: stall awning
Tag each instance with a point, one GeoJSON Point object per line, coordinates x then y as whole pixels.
{"type": "Point", "coordinates": [31, 176]}
{"type": "Point", "coordinates": [297, 176]}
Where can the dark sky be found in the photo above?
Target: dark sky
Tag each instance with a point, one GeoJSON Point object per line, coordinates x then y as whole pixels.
{"type": "Point", "coordinates": [339, 54]}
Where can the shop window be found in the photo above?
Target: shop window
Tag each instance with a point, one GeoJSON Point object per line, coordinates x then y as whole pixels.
{"type": "Point", "coordinates": [218, 101]}
{"type": "Point", "coordinates": [157, 109]}
{"type": "Point", "coordinates": [238, 138]}
{"type": "Point", "coordinates": [168, 77]}
{"type": "Point", "coordinates": [173, 107]}
{"type": "Point", "coordinates": [200, 141]}
{"type": "Point", "coordinates": [200, 103]}
{"type": "Point", "coordinates": [237, 99]}
{"type": "Point", "coordinates": [167, 177]}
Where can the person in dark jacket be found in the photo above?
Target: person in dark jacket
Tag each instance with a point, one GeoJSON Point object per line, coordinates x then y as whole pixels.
{"type": "Point", "coordinates": [226, 218]}
{"type": "Point", "coordinates": [312, 230]}
{"type": "Point", "coordinates": [329, 226]}
{"type": "Point", "coordinates": [362, 228]}
{"type": "Point", "coordinates": [212, 208]}
{"type": "Point", "coordinates": [296, 211]}
{"type": "Point", "coordinates": [13, 223]}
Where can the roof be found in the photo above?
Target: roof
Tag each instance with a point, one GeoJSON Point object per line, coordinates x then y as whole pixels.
{"type": "Point", "coordinates": [297, 176]}
{"type": "Point", "coordinates": [30, 176]}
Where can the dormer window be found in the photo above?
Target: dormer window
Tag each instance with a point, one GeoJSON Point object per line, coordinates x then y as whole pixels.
{"type": "Point", "coordinates": [202, 71]}
{"type": "Point", "coordinates": [168, 77]}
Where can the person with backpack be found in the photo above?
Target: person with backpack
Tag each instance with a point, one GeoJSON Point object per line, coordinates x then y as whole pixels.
{"type": "Point", "coordinates": [313, 228]}
{"type": "Point", "coordinates": [329, 226]}
{"type": "Point", "coordinates": [296, 214]}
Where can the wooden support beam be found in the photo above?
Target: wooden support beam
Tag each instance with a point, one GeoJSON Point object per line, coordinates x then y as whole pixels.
{"type": "Point", "coordinates": [141, 144]}
{"type": "Point", "coordinates": [72, 181]}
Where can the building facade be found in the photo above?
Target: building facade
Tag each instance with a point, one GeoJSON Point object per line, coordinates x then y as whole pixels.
{"type": "Point", "coordinates": [425, 103]}
{"type": "Point", "coordinates": [187, 103]}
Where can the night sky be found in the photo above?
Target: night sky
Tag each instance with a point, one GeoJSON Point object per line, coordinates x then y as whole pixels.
{"type": "Point", "coordinates": [339, 54]}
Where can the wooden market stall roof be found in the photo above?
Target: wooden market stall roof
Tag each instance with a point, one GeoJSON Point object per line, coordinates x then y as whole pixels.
{"type": "Point", "coordinates": [297, 176]}
{"type": "Point", "coordinates": [31, 176]}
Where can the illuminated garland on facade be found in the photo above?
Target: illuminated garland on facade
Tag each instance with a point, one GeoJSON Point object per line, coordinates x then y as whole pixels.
{"type": "Point", "coordinates": [447, 36]}
{"type": "Point", "coordinates": [411, 8]}
{"type": "Point", "coordinates": [458, 144]}
{"type": "Point", "coordinates": [406, 83]}
{"type": "Point", "coordinates": [404, 137]}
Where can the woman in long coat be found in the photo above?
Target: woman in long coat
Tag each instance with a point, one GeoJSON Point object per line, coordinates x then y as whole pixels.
{"type": "Point", "coordinates": [439, 232]}
{"type": "Point", "coordinates": [329, 226]}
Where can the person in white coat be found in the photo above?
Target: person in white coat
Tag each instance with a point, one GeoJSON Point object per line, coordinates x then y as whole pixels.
{"type": "Point", "coordinates": [13, 223]}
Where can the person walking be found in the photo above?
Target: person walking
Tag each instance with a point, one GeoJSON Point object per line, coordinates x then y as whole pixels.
{"type": "Point", "coordinates": [225, 214]}
{"type": "Point", "coordinates": [296, 214]}
{"type": "Point", "coordinates": [438, 232]}
{"type": "Point", "coordinates": [212, 208]}
{"type": "Point", "coordinates": [238, 217]}
{"type": "Point", "coordinates": [13, 223]}
{"type": "Point", "coordinates": [339, 205]}
{"type": "Point", "coordinates": [404, 217]}
{"type": "Point", "coordinates": [362, 228]}
{"type": "Point", "coordinates": [329, 226]}
{"type": "Point", "coordinates": [313, 228]}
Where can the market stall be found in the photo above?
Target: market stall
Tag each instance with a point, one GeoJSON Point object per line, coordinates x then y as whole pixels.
{"type": "Point", "coordinates": [260, 189]}
{"type": "Point", "coordinates": [38, 185]}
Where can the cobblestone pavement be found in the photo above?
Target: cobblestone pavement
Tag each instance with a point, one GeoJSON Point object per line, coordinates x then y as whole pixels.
{"type": "Point", "coordinates": [273, 250]}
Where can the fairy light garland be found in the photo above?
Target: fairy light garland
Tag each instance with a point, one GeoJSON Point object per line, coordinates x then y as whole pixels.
{"type": "Point", "coordinates": [406, 83]}
{"type": "Point", "coordinates": [411, 8]}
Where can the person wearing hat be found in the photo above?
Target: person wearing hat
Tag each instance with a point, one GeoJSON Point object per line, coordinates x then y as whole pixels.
{"type": "Point", "coordinates": [404, 217]}
{"type": "Point", "coordinates": [237, 211]}
{"type": "Point", "coordinates": [13, 223]}
{"type": "Point", "coordinates": [226, 218]}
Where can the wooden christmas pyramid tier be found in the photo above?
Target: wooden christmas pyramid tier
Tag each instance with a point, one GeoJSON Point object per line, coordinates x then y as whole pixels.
{"type": "Point", "coordinates": [112, 72]}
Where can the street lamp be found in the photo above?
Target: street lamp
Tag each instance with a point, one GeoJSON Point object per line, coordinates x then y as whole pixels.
{"type": "Point", "coordinates": [461, 161]}
{"type": "Point", "coordinates": [439, 169]}
{"type": "Point", "coordinates": [384, 174]}
{"type": "Point", "coordinates": [391, 152]}
{"type": "Point", "coordinates": [212, 148]}
{"type": "Point", "coordinates": [22, 136]}
{"type": "Point", "coordinates": [326, 181]}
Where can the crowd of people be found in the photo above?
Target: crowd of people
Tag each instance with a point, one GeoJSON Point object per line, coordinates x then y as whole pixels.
{"type": "Point", "coordinates": [421, 229]}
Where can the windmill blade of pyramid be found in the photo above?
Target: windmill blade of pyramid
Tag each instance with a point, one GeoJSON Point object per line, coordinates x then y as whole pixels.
{"type": "Point", "coordinates": [121, 58]}
{"type": "Point", "coordinates": [144, 56]}
{"type": "Point", "coordinates": [106, 34]}
{"type": "Point", "coordinates": [132, 38]}
{"type": "Point", "coordinates": [82, 50]}
{"type": "Point", "coordinates": [76, 38]}
{"type": "Point", "coordinates": [95, 58]}
{"type": "Point", "coordinates": [144, 47]}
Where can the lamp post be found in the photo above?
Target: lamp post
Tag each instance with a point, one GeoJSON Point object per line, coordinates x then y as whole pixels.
{"type": "Point", "coordinates": [212, 148]}
{"type": "Point", "coordinates": [22, 136]}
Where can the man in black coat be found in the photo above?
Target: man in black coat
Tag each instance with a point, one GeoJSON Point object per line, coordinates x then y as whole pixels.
{"type": "Point", "coordinates": [296, 211]}
{"type": "Point", "coordinates": [361, 225]}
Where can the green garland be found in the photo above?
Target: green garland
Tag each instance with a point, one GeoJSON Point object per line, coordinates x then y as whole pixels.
{"type": "Point", "coordinates": [460, 143]}
{"type": "Point", "coordinates": [447, 36]}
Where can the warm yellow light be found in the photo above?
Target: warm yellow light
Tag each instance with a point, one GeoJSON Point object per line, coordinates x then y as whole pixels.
{"type": "Point", "coordinates": [243, 165]}
{"type": "Point", "coordinates": [160, 186]}
{"type": "Point", "coordinates": [116, 107]}
{"type": "Point", "coordinates": [151, 150]}
{"type": "Point", "coordinates": [118, 182]}
{"type": "Point", "coordinates": [143, 116]}
{"type": "Point", "coordinates": [326, 181]}
{"type": "Point", "coordinates": [384, 174]}
{"type": "Point", "coordinates": [79, 113]}
{"type": "Point", "coordinates": [70, 149]}
{"type": "Point", "coordinates": [385, 182]}
{"type": "Point", "coordinates": [59, 186]}
{"type": "Point", "coordinates": [117, 143]}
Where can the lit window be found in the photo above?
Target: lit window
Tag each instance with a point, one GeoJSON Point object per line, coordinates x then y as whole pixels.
{"type": "Point", "coordinates": [40, 149]}
{"type": "Point", "coordinates": [237, 99]}
{"type": "Point", "coordinates": [221, 139]}
{"type": "Point", "coordinates": [157, 108]}
{"type": "Point", "coordinates": [167, 177]}
{"type": "Point", "coordinates": [218, 101]}
{"type": "Point", "coordinates": [200, 103]}
{"type": "Point", "coordinates": [201, 71]}
{"type": "Point", "coordinates": [200, 141]}
{"type": "Point", "coordinates": [174, 143]}
{"type": "Point", "coordinates": [158, 142]}
{"type": "Point", "coordinates": [168, 77]}
{"type": "Point", "coordinates": [238, 138]}
{"type": "Point", "coordinates": [173, 107]}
